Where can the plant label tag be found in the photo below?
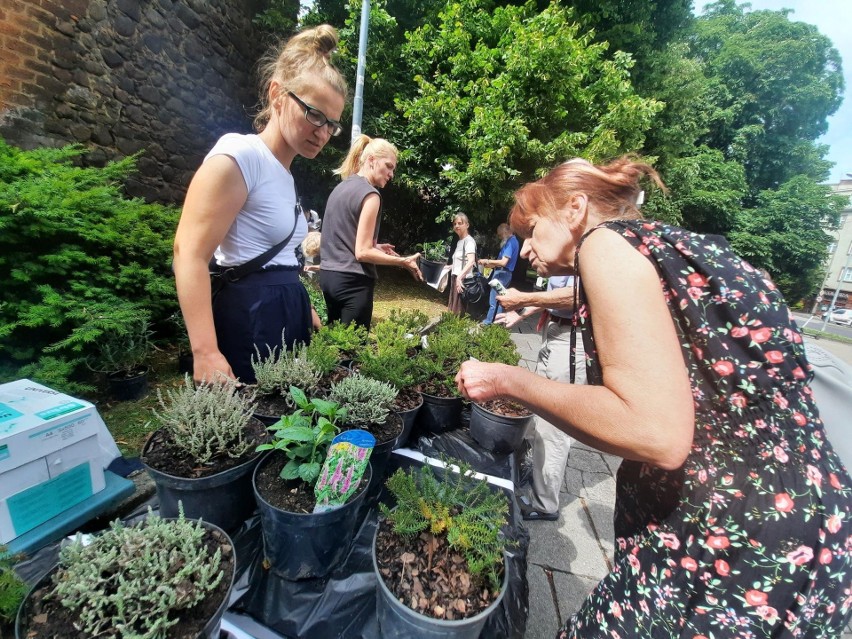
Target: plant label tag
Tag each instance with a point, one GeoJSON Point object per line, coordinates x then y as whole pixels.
{"type": "Point", "coordinates": [343, 468]}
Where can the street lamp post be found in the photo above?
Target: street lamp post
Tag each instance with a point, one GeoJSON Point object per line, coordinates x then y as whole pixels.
{"type": "Point", "coordinates": [358, 105]}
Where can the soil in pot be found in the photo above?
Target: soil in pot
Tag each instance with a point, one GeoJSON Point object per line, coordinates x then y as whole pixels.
{"type": "Point", "coordinates": [293, 496]}
{"type": "Point", "coordinates": [429, 577]}
{"type": "Point", "coordinates": [506, 407]}
{"type": "Point", "coordinates": [160, 455]}
{"type": "Point", "coordinates": [44, 617]}
{"type": "Point", "coordinates": [269, 408]}
{"type": "Point", "coordinates": [407, 399]}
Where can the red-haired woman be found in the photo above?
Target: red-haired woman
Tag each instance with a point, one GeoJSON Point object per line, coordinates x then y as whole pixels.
{"type": "Point", "coordinates": [732, 508]}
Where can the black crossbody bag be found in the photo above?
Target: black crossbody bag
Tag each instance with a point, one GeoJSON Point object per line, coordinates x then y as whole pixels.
{"type": "Point", "coordinates": [221, 276]}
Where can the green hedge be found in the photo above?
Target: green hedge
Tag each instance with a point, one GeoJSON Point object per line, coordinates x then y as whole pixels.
{"type": "Point", "coordinates": [77, 257]}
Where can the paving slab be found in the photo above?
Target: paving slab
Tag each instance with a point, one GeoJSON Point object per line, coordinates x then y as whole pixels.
{"type": "Point", "coordinates": [543, 619]}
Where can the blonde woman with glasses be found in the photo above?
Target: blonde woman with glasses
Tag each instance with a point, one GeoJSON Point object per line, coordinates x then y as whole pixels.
{"type": "Point", "coordinates": [241, 209]}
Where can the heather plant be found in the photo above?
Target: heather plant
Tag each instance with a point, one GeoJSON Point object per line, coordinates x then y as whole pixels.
{"type": "Point", "coordinates": [12, 588]}
{"type": "Point", "coordinates": [207, 421]}
{"type": "Point", "coordinates": [73, 246]}
{"type": "Point", "coordinates": [447, 346]}
{"type": "Point", "coordinates": [463, 509]}
{"type": "Point", "coordinates": [305, 435]}
{"type": "Point", "coordinates": [366, 400]}
{"type": "Point", "coordinates": [324, 355]}
{"type": "Point", "coordinates": [136, 582]}
{"type": "Point", "coordinates": [282, 369]}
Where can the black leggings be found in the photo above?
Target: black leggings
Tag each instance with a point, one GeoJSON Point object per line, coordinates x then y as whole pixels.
{"type": "Point", "coordinates": [348, 297]}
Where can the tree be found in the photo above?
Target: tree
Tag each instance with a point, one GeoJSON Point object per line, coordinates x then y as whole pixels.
{"type": "Point", "coordinates": [777, 82]}
{"type": "Point", "coordinates": [784, 234]}
{"type": "Point", "coordinates": [504, 94]}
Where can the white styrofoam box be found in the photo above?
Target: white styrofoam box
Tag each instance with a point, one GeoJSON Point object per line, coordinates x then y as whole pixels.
{"type": "Point", "coordinates": [36, 421]}
{"type": "Point", "coordinates": [53, 449]}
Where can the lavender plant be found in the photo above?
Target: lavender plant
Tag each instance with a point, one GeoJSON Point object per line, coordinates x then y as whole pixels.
{"type": "Point", "coordinates": [366, 400]}
{"type": "Point", "coordinates": [136, 582]}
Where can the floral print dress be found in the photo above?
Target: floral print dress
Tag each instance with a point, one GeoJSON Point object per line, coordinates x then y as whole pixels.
{"type": "Point", "coordinates": [750, 537]}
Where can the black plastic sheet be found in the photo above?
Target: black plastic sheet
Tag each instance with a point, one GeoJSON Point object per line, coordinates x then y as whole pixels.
{"type": "Point", "coordinates": [343, 604]}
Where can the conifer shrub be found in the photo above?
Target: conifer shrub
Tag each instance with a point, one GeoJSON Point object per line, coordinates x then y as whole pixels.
{"type": "Point", "coordinates": [465, 510]}
{"type": "Point", "coordinates": [73, 246]}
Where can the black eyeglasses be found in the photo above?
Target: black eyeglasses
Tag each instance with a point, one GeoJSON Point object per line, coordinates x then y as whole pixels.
{"type": "Point", "coordinates": [317, 117]}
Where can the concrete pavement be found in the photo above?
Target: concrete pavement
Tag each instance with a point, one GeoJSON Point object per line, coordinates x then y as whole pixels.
{"type": "Point", "coordinates": [569, 556]}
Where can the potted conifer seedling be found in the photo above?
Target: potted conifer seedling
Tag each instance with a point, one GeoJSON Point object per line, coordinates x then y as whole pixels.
{"type": "Point", "coordinates": [498, 425]}
{"type": "Point", "coordinates": [439, 554]}
{"type": "Point", "coordinates": [433, 257]}
{"type": "Point", "coordinates": [204, 451]}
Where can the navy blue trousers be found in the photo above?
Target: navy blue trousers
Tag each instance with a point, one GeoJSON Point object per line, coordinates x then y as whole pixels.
{"type": "Point", "coordinates": [252, 313]}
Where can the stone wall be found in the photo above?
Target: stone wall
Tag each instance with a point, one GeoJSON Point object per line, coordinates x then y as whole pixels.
{"type": "Point", "coordinates": [165, 77]}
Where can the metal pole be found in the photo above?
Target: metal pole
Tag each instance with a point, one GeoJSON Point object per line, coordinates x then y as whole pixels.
{"type": "Point", "coordinates": [358, 106]}
{"type": "Point", "coordinates": [840, 279]}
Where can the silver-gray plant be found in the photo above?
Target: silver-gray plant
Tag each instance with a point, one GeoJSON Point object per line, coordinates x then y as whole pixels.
{"type": "Point", "coordinates": [366, 400]}
{"type": "Point", "coordinates": [277, 372]}
{"type": "Point", "coordinates": [207, 420]}
{"type": "Point", "coordinates": [135, 582]}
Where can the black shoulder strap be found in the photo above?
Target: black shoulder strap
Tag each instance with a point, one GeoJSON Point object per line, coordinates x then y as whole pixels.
{"type": "Point", "coordinates": [235, 273]}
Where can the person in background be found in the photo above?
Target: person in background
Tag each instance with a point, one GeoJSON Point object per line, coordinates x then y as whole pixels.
{"type": "Point", "coordinates": [242, 201]}
{"type": "Point", "coordinates": [349, 246]}
{"type": "Point", "coordinates": [550, 445]}
{"type": "Point", "coordinates": [732, 507]}
{"type": "Point", "coordinates": [503, 267]}
{"type": "Point", "coordinates": [311, 252]}
{"type": "Point", "coordinates": [463, 261]}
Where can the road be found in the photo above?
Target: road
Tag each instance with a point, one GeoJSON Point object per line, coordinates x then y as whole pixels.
{"type": "Point", "coordinates": [815, 323]}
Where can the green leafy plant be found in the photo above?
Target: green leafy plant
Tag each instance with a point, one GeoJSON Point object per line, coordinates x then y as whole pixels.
{"type": "Point", "coordinates": [207, 421]}
{"type": "Point", "coordinates": [137, 581]}
{"type": "Point", "coordinates": [316, 297]}
{"type": "Point", "coordinates": [434, 251]}
{"type": "Point", "coordinates": [366, 400]}
{"type": "Point", "coordinates": [412, 321]}
{"type": "Point", "coordinates": [72, 246]}
{"type": "Point", "coordinates": [12, 588]}
{"type": "Point", "coordinates": [305, 435]}
{"type": "Point", "coordinates": [390, 357]}
{"type": "Point", "coordinates": [456, 505]}
{"type": "Point", "coordinates": [348, 339]}
{"type": "Point", "coordinates": [493, 343]}
{"type": "Point", "coordinates": [447, 346]}
{"type": "Point", "coordinates": [124, 350]}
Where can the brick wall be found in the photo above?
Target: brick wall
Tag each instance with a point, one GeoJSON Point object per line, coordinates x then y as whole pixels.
{"type": "Point", "coordinates": [165, 77]}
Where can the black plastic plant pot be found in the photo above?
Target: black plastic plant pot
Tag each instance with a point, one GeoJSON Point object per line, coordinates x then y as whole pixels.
{"type": "Point", "coordinates": [408, 419]}
{"type": "Point", "coordinates": [266, 420]}
{"type": "Point", "coordinates": [308, 545]}
{"type": "Point", "coordinates": [127, 389]}
{"type": "Point", "coordinates": [398, 621]}
{"type": "Point", "coordinates": [224, 499]}
{"type": "Point", "coordinates": [211, 629]}
{"type": "Point", "coordinates": [498, 433]}
{"type": "Point", "coordinates": [430, 270]}
{"type": "Point", "coordinates": [438, 414]}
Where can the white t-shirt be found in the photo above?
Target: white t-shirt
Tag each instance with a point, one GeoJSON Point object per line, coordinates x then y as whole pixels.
{"type": "Point", "coordinates": [463, 248]}
{"type": "Point", "coordinates": [268, 213]}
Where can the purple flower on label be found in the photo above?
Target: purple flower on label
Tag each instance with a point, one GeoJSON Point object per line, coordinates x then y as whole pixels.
{"type": "Point", "coordinates": [323, 479]}
{"type": "Point", "coordinates": [338, 473]}
{"type": "Point", "coordinates": [362, 453]}
{"type": "Point", "coordinates": [348, 481]}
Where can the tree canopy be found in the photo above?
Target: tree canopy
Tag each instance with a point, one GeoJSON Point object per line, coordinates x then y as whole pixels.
{"type": "Point", "coordinates": [483, 95]}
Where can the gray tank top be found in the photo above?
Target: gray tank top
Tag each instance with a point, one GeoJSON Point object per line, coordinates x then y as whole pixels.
{"type": "Point", "coordinates": [340, 226]}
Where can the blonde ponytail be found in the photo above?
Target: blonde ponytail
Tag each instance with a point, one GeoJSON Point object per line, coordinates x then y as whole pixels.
{"type": "Point", "coordinates": [363, 147]}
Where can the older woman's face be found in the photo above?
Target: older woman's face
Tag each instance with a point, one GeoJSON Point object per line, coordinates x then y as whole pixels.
{"type": "Point", "coordinates": [549, 246]}
{"type": "Point", "coordinates": [460, 226]}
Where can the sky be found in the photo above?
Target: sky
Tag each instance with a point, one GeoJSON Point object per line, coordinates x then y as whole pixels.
{"type": "Point", "coordinates": [833, 18]}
